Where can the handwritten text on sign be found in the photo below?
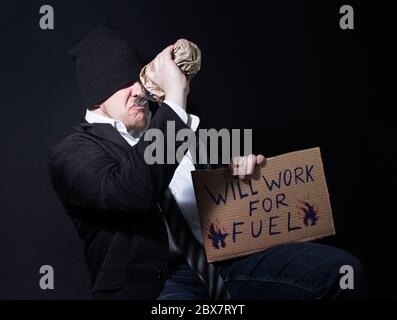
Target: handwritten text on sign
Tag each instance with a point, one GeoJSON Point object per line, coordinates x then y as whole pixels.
{"type": "Point", "coordinates": [285, 201]}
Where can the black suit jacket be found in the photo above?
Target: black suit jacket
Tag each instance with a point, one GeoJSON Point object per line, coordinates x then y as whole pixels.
{"type": "Point", "coordinates": [111, 195]}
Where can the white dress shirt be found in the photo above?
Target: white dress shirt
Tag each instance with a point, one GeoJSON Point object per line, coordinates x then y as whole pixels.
{"type": "Point", "coordinates": [181, 185]}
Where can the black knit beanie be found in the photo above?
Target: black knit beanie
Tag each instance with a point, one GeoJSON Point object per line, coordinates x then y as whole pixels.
{"type": "Point", "coordinates": [105, 62]}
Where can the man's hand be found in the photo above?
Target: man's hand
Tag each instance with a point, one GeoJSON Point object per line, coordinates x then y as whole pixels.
{"type": "Point", "coordinates": [243, 167]}
{"type": "Point", "coordinates": [164, 72]}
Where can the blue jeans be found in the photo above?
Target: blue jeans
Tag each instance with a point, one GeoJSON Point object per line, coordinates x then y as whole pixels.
{"type": "Point", "coordinates": [292, 271]}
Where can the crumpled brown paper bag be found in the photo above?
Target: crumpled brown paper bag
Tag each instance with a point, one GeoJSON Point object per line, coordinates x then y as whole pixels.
{"type": "Point", "coordinates": [187, 57]}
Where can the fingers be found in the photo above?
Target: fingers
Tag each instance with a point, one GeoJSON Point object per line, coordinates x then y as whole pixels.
{"type": "Point", "coordinates": [150, 73]}
{"type": "Point", "coordinates": [168, 52]}
{"type": "Point", "coordinates": [237, 165]}
{"type": "Point", "coordinates": [154, 68]}
{"type": "Point", "coordinates": [164, 72]}
{"type": "Point", "coordinates": [244, 167]}
{"type": "Point", "coordinates": [160, 59]}
{"type": "Point", "coordinates": [156, 63]}
{"type": "Point", "coordinates": [260, 159]}
{"type": "Point", "coordinates": [251, 162]}
{"type": "Point", "coordinates": [164, 56]}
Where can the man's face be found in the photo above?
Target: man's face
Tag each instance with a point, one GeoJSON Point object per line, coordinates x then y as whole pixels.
{"type": "Point", "coordinates": [124, 105]}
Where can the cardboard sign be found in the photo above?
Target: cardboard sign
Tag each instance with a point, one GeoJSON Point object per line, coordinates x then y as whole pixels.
{"type": "Point", "coordinates": [286, 200]}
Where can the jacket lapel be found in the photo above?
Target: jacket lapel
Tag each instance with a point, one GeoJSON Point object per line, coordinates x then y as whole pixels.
{"type": "Point", "coordinates": [105, 131]}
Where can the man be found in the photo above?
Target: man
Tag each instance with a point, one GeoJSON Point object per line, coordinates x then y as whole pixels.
{"type": "Point", "coordinates": [113, 196]}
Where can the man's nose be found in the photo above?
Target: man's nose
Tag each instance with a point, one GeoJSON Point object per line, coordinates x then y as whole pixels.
{"type": "Point", "coordinates": [136, 90]}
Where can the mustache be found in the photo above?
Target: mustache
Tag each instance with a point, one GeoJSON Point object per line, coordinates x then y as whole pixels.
{"type": "Point", "coordinates": [141, 101]}
{"type": "Point", "coordinates": [149, 96]}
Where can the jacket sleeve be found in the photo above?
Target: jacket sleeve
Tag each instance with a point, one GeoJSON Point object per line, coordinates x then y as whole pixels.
{"type": "Point", "coordinates": [84, 176]}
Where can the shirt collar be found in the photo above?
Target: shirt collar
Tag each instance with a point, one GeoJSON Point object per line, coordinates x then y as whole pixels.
{"type": "Point", "coordinates": [93, 117]}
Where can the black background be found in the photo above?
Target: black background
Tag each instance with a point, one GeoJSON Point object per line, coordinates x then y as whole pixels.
{"type": "Point", "coordinates": [283, 68]}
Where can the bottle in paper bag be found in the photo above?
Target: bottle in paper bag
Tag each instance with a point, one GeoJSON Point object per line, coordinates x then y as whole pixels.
{"type": "Point", "coordinates": [187, 57]}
